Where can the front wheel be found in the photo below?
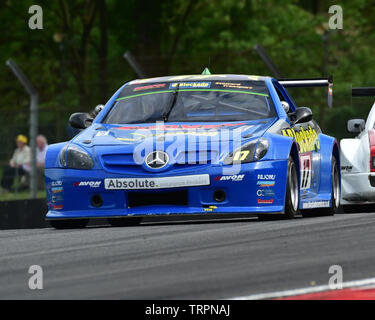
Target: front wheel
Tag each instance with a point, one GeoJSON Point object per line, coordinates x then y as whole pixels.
{"type": "Point", "coordinates": [69, 224]}
{"type": "Point", "coordinates": [292, 191]}
{"type": "Point", "coordinates": [335, 194]}
{"type": "Point", "coordinates": [291, 196]}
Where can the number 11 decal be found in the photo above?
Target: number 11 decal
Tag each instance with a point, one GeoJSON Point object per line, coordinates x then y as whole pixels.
{"type": "Point", "coordinates": [306, 168]}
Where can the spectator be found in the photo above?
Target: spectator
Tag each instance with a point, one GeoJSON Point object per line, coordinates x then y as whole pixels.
{"type": "Point", "coordinates": [41, 150]}
{"type": "Point", "coordinates": [18, 164]}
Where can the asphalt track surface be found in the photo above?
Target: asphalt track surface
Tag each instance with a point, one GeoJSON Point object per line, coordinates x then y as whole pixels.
{"type": "Point", "coordinates": [189, 260]}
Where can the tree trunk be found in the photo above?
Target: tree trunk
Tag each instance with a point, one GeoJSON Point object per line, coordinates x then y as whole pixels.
{"type": "Point", "coordinates": [148, 51]}
{"type": "Point", "coordinates": [103, 51]}
{"type": "Point", "coordinates": [80, 56]}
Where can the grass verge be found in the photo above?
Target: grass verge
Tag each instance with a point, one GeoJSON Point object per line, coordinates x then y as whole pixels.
{"type": "Point", "coordinates": [24, 195]}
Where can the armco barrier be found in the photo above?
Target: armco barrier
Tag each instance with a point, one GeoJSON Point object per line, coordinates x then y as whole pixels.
{"type": "Point", "coordinates": [23, 214]}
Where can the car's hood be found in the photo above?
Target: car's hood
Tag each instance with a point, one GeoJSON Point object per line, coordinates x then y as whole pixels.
{"type": "Point", "coordinates": [111, 135]}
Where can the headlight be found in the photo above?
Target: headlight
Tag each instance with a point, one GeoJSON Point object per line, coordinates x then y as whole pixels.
{"type": "Point", "coordinates": [62, 157]}
{"type": "Point", "coordinates": [249, 152]}
{"type": "Point", "coordinates": [74, 157]}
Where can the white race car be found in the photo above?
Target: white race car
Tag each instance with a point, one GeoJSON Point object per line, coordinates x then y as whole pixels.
{"type": "Point", "coordinates": [358, 159]}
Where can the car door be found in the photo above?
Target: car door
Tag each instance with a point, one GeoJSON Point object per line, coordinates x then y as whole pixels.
{"type": "Point", "coordinates": [307, 137]}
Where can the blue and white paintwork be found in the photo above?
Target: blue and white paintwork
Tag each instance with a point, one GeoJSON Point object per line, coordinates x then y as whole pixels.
{"type": "Point", "coordinates": [260, 187]}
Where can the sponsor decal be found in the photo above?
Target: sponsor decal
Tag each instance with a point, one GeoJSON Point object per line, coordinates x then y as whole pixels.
{"type": "Point", "coordinates": [188, 85]}
{"type": "Point", "coordinates": [236, 177]}
{"type": "Point", "coordinates": [233, 85]}
{"type": "Point", "coordinates": [265, 193]}
{"type": "Point", "coordinates": [139, 137]}
{"type": "Point", "coordinates": [156, 183]}
{"type": "Point", "coordinates": [306, 170]}
{"type": "Point", "coordinates": [347, 168]}
{"type": "Point", "coordinates": [307, 140]}
{"type": "Point", "coordinates": [264, 201]}
{"type": "Point", "coordinates": [102, 133]}
{"type": "Point", "coordinates": [181, 126]}
{"type": "Point", "coordinates": [143, 81]}
{"type": "Point", "coordinates": [57, 189]}
{"type": "Point", "coordinates": [152, 86]}
{"type": "Point", "coordinates": [91, 184]}
{"type": "Point", "coordinates": [315, 204]}
{"type": "Point", "coordinates": [264, 184]}
{"type": "Point", "coordinates": [57, 198]}
{"type": "Point", "coordinates": [210, 208]}
{"type": "Point", "coordinates": [172, 134]}
{"type": "Point", "coordinates": [304, 194]}
{"type": "Point", "coordinates": [57, 207]}
{"type": "Point", "coordinates": [266, 176]}
{"type": "Point", "coordinates": [266, 180]}
{"type": "Point", "coordinates": [56, 183]}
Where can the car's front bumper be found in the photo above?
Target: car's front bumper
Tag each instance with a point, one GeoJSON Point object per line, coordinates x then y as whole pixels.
{"type": "Point", "coordinates": [260, 190]}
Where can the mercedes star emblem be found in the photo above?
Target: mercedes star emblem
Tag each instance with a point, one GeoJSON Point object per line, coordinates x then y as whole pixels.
{"type": "Point", "coordinates": [157, 159]}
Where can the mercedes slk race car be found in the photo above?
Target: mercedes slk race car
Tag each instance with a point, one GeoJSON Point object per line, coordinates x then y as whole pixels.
{"type": "Point", "coordinates": [358, 158]}
{"type": "Point", "coordinates": [194, 145]}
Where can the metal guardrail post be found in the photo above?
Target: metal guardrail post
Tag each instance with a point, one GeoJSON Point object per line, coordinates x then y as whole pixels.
{"type": "Point", "coordinates": [33, 122]}
{"type": "Point", "coordinates": [134, 65]}
{"type": "Point", "coordinates": [267, 60]}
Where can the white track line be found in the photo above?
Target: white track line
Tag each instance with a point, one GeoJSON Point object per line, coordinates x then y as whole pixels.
{"type": "Point", "coordinates": [296, 292]}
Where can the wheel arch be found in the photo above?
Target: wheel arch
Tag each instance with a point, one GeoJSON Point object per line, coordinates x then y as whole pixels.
{"type": "Point", "coordinates": [336, 153]}
{"type": "Point", "coordinates": [329, 147]}
{"type": "Point", "coordinates": [52, 155]}
{"type": "Point", "coordinates": [281, 148]}
{"type": "Point", "coordinates": [295, 155]}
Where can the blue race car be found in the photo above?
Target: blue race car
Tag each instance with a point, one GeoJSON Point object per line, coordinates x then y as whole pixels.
{"type": "Point", "coordinates": [194, 145]}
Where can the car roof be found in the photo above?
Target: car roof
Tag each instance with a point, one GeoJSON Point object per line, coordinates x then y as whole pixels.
{"type": "Point", "coordinates": [195, 77]}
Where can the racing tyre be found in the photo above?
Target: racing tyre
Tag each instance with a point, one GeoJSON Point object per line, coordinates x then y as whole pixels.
{"type": "Point", "coordinates": [69, 224]}
{"type": "Point", "coordinates": [335, 195]}
{"type": "Point", "coordinates": [124, 222]}
{"type": "Point", "coordinates": [292, 191]}
{"type": "Point", "coordinates": [291, 197]}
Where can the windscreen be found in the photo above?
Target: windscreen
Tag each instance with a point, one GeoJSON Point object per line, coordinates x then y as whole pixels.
{"type": "Point", "coordinates": [192, 101]}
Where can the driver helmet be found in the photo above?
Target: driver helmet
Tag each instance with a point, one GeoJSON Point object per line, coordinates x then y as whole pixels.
{"type": "Point", "coordinates": [286, 106]}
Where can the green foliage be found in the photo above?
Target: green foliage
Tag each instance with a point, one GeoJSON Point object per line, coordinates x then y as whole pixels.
{"type": "Point", "coordinates": [20, 196]}
{"type": "Point", "coordinates": [177, 37]}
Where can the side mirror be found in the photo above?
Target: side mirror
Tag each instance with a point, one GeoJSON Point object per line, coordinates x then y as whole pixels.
{"type": "Point", "coordinates": [356, 125]}
{"type": "Point", "coordinates": [302, 115]}
{"type": "Point", "coordinates": [80, 120]}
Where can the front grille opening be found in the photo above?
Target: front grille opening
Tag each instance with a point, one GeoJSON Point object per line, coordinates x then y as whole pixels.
{"type": "Point", "coordinates": [139, 199]}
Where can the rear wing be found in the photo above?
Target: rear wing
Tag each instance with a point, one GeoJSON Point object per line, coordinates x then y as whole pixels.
{"type": "Point", "coordinates": [310, 83]}
{"type": "Point", "coordinates": [363, 92]}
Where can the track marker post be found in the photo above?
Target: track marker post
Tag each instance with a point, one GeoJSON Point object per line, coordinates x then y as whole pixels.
{"type": "Point", "coordinates": [33, 131]}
